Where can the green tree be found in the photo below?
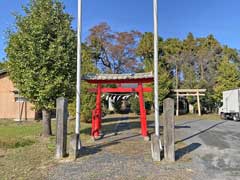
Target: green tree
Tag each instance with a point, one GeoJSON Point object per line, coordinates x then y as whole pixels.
{"type": "Point", "coordinates": [227, 78]}
{"type": "Point", "coordinates": [145, 52]}
{"type": "Point", "coordinates": [189, 80]}
{"type": "Point", "coordinates": [2, 65]}
{"type": "Point", "coordinates": [42, 56]}
{"type": "Point", "coordinates": [134, 102]}
{"type": "Point", "coordinates": [173, 53]}
{"type": "Point", "coordinates": [114, 51]}
{"type": "Point", "coordinates": [88, 99]}
{"type": "Point", "coordinates": [208, 56]}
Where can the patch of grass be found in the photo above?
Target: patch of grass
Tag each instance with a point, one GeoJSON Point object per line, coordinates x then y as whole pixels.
{"type": "Point", "coordinates": [22, 150]}
{"type": "Point", "coordinates": [26, 162]}
{"type": "Point", "coordinates": [15, 143]}
{"type": "Point", "coordinates": [24, 154]}
{"type": "Point", "coordinates": [15, 135]}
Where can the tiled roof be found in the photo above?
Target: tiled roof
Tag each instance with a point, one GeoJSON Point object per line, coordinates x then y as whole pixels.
{"type": "Point", "coordinates": [134, 76]}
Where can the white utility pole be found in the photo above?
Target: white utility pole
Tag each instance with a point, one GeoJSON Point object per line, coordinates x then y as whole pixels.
{"type": "Point", "coordinates": [156, 145]}
{"type": "Point", "coordinates": [156, 104]}
{"type": "Point", "coordinates": [78, 88]}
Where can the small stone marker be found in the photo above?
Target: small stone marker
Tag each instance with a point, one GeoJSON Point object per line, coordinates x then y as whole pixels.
{"type": "Point", "coordinates": [61, 116]}
{"type": "Point", "coordinates": [168, 129]}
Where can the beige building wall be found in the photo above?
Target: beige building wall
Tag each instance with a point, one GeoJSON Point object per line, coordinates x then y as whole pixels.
{"type": "Point", "coordinates": [9, 109]}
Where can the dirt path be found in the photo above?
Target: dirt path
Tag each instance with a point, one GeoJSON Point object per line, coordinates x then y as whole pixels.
{"type": "Point", "coordinates": [122, 154]}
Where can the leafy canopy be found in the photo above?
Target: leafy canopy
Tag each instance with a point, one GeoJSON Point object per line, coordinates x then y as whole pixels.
{"type": "Point", "coordinates": [145, 51]}
{"type": "Point", "coordinates": [88, 99]}
{"type": "Point", "coordinates": [114, 52]}
{"type": "Point", "coordinates": [228, 78]}
{"type": "Point", "coordinates": [42, 53]}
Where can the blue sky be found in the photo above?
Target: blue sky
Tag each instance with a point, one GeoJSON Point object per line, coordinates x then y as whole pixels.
{"type": "Point", "coordinates": [176, 17]}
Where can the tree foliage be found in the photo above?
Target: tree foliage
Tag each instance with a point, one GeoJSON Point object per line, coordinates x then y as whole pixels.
{"type": "Point", "coordinates": [228, 78]}
{"type": "Point", "coordinates": [114, 52]}
{"type": "Point", "coordinates": [192, 63]}
{"type": "Point", "coordinates": [42, 53]}
{"type": "Point", "coordinates": [88, 99]}
{"type": "Point", "coordinates": [134, 102]}
{"type": "Point", "coordinates": [145, 51]}
{"type": "Point", "coordinates": [3, 65]}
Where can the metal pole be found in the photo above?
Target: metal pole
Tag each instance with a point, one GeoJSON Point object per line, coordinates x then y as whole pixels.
{"type": "Point", "coordinates": [156, 105]}
{"type": "Point", "coordinates": [78, 88]}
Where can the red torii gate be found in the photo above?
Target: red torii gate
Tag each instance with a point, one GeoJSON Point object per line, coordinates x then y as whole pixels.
{"type": "Point", "coordinates": [99, 79]}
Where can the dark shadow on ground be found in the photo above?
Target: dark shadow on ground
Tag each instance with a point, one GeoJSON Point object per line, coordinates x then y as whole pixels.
{"type": "Point", "coordinates": [186, 150]}
{"type": "Point", "coordinates": [189, 122]}
{"type": "Point", "coordinates": [117, 126]}
{"type": "Point", "coordinates": [176, 126]}
{"type": "Point", "coordinates": [93, 149]}
{"type": "Point", "coordinates": [181, 127]}
{"type": "Point", "coordinates": [198, 133]}
{"type": "Point", "coordinates": [113, 119]}
{"type": "Point", "coordinates": [90, 150]}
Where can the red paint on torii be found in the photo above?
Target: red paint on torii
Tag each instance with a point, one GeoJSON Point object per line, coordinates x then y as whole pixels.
{"type": "Point", "coordinates": [118, 79]}
{"type": "Point", "coordinates": [120, 90]}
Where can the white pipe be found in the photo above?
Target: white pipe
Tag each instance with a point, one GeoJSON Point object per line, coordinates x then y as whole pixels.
{"type": "Point", "coordinates": [78, 87]}
{"type": "Point", "coordinates": [156, 105]}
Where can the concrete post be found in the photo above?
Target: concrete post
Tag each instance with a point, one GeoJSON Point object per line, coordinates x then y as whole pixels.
{"type": "Point", "coordinates": [198, 102]}
{"type": "Point", "coordinates": [177, 105]}
{"type": "Point", "coordinates": [168, 129]}
{"type": "Point", "coordinates": [61, 116]}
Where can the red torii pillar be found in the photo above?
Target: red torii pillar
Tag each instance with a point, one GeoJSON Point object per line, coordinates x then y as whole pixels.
{"type": "Point", "coordinates": [97, 114]}
{"type": "Point", "coordinates": [142, 111]}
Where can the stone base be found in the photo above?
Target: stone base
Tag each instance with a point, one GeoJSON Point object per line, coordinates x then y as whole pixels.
{"type": "Point", "coordinates": [146, 138]}
{"type": "Point", "coordinates": [156, 147]}
{"type": "Point", "coordinates": [75, 146]}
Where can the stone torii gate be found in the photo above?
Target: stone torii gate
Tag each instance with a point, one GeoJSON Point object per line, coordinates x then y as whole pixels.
{"type": "Point", "coordinates": [99, 79]}
{"type": "Point", "coordinates": [189, 92]}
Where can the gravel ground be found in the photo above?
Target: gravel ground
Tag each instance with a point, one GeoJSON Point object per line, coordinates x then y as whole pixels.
{"type": "Point", "coordinates": [205, 149]}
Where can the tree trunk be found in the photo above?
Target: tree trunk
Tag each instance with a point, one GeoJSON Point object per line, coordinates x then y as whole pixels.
{"type": "Point", "coordinates": [46, 116]}
{"type": "Point", "coordinates": [202, 71]}
{"type": "Point", "coordinates": [176, 77]}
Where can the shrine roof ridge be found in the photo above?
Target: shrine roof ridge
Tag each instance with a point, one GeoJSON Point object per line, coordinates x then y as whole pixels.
{"type": "Point", "coordinates": [129, 76]}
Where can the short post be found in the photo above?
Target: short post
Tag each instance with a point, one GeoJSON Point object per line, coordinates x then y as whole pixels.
{"type": "Point", "coordinates": [61, 116]}
{"type": "Point", "coordinates": [198, 102]}
{"type": "Point", "coordinates": [177, 105]}
{"type": "Point", "coordinates": [168, 129]}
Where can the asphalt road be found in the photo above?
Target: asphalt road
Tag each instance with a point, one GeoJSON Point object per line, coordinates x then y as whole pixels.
{"type": "Point", "coordinates": [214, 147]}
